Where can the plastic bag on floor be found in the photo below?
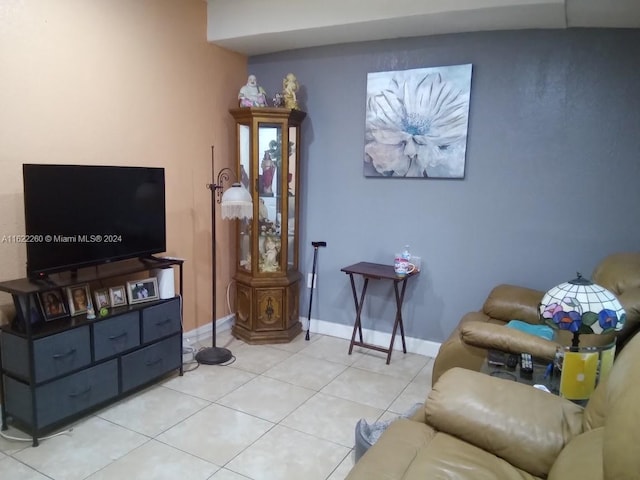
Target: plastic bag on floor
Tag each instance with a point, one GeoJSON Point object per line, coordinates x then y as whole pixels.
{"type": "Point", "coordinates": [368, 433]}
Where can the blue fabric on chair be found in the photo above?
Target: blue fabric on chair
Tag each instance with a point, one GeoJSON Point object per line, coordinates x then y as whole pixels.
{"type": "Point", "coordinates": [539, 330]}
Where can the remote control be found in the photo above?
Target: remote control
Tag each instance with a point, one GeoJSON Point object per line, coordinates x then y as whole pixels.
{"type": "Point", "coordinates": [526, 365]}
{"type": "Point", "coordinates": [512, 360]}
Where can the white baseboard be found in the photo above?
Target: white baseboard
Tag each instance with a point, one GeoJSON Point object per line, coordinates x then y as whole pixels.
{"type": "Point", "coordinates": [204, 332]}
{"type": "Point", "coordinates": [414, 345]}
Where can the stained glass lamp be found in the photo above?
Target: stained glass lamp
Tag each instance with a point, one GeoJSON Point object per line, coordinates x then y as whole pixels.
{"type": "Point", "coordinates": [582, 307]}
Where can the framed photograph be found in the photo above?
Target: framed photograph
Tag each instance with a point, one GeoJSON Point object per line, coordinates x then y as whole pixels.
{"type": "Point", "coordinates": [143, 290]}
{"type": "Point", "coordinates": [102, 299]}
{"type": "Point", "coordinates": [117, 296]}
{"type": "Point", "coordinates": [52, 304]}
{"type": "Point", "coordinates": [20, 302]}
{"type": "Point", "coordinates": [79, 297]}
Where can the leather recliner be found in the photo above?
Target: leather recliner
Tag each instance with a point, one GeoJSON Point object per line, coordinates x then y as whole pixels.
{"type": "Point", "coordinates": [475, 426]}
{"type": "Point", "coordinates": [477, 332]}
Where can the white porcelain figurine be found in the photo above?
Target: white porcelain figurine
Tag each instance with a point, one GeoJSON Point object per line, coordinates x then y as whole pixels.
{"type": "Point", "coordinates": [252, 94]}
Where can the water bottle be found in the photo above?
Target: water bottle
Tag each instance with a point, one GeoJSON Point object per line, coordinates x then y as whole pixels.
{"type": "Point", "coordinates": [402, 263]}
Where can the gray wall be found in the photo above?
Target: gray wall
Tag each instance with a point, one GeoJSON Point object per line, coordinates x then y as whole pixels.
{"type": "Point", "coordinates": [551, 181]}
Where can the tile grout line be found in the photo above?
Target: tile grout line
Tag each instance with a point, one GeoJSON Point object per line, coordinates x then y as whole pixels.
{"type": "Point", "coordinates": [303, 351]}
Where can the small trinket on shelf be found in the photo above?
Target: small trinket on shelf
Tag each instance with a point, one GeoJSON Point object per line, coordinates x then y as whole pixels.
{"type": "Point", "coordinates": [278, 100]}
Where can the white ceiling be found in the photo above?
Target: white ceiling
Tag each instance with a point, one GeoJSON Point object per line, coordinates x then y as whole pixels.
{"type": "Point", "coordinates": [256, 27]}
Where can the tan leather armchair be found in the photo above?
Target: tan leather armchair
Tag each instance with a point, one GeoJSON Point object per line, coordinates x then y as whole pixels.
{"type": "Point", "coordinates": [479, 331]}
{"type": "Point", "coordinates": [475, 426]}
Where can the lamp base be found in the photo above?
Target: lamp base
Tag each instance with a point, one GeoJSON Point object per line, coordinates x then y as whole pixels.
{"type": "Point", "coordinates": [213, 355]}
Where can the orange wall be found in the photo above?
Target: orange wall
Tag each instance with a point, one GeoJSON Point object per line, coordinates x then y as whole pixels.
{"type": "Point", "coordinates": [120, 82]}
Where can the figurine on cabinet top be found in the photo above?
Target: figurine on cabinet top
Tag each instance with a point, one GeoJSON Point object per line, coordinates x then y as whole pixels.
{"type": "Point", "coordinates": [252, 94]}
{"type": "Point", "coordinates": [289, 88]}
{"type": "Point", "coordinates": [278, 100]}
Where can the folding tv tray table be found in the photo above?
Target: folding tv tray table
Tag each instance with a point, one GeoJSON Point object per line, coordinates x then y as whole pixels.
{"type": "Point", "coordinates": [377, 271]}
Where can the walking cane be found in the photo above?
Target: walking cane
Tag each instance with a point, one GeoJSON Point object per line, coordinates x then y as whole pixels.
{"type": "Point", "coordinates": [313, 280]}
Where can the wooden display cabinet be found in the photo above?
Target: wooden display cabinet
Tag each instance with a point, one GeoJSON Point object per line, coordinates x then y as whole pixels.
{"type": "Point", "coordinates": [267, 276]}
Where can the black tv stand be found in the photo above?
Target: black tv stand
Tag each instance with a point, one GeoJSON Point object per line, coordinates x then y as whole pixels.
{"type": "Point", "coordinates": [113, 355]}
{"type": "Point", "coordinates": [151, 258]}
{"type": "Point", "coordinates": [43, 280]}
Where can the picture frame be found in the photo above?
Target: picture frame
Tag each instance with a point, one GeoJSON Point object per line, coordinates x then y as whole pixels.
{"type": "Point", "coordinates": [102, 298]}
{"type": "Point", "coordinates": [52, 304]}
{"type": "Point", "coordinates": [79, 299]}
{"type": "Point", "coordinates": [144, 290]}
{"type": "Point", "coordinates": [117, 296]}
{"type": "Point", "coordinates": [20, 303]}
{"type": "Point", "coordinates": [416, 122]}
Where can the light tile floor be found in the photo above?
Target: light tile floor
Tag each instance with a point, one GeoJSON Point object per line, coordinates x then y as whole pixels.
{"type": "Point", "coordinates": [280, 412]}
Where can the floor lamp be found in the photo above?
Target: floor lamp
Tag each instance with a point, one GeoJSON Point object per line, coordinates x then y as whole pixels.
{"type": "Point", "coordinates": [235, 203]}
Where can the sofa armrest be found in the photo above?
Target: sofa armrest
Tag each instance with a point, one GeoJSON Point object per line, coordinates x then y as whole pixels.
{"type": "Point", "coordinates": [455, 353]}
{"type": "Point", "coordinates": [523, 425]}
{"type": "Point", "coordinates": [505, 339]}
{"type": "Point", "coordinates": [512, 302]}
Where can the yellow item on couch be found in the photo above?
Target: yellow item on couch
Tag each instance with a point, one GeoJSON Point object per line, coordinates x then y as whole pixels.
{"type": "Point", "coordinates": [579, 372]}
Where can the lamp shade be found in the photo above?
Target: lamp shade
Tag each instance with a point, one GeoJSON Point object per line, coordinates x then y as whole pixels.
{"type": "Point", "coordinates": [581, 306]}
{"type": "Point", "coordinates": [236, 202]}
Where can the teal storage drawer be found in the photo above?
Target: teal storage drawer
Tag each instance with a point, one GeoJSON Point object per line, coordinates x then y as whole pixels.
{"type": "Point", "coordinates": [62, 398]}
{"type": "Point", "coordinates": [148, 363]}
{"type": "Point", "coordinates": [61, 353]}
{"type": "Point", "coordinates": [53, 356]}
{"type": "Point", "coordinates": [116, 335]}
{"type": "Point", "coordinates": [161, 320]}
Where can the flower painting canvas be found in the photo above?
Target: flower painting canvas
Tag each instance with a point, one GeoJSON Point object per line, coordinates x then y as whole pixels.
{"type": "Point", "coordinates": [416, 122]}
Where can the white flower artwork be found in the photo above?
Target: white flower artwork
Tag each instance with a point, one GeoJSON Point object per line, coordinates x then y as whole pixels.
{"type": "Point", "coordinates": [416, 122]}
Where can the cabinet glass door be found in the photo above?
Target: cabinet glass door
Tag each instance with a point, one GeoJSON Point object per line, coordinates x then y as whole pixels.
{"type": "Point", "coordinates": [292, 189]}
{"type": "Point", "coordinates": [246, 178]}
{"type": "Point", "coordinates": [270, 197]}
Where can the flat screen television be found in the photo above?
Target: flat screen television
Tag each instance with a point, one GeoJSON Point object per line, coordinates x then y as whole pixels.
{"type": "Point", "coordinates": [84, 215]}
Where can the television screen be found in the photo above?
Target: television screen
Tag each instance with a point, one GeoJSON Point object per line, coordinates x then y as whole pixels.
{"type": "Point", "coordinates": [83, 215]}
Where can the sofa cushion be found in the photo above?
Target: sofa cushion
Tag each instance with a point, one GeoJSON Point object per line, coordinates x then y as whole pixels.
{"type": "Point", "coordinates": [523, 425]}
{"type": "Point", "coordinates": [390, 457]}
{"type": "Point", "coordinates": [581, 458]}
{"type": "Point", "coordinates": [410, 450]}
{"type": "Point", "coordinates": [451, 458]}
